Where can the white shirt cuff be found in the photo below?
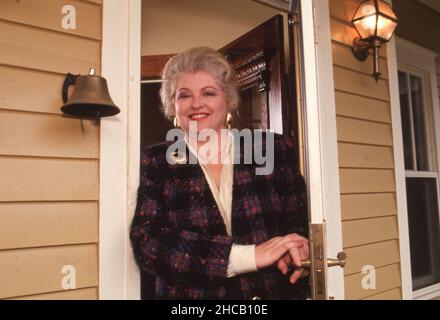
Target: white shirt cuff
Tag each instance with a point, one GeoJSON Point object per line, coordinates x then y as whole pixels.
{"type": "Point", "coordinates": [241, 260]}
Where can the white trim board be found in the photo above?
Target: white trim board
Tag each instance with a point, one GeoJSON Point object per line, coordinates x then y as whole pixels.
{"type": "Point", "coordinates": [320, 132]}
{"type": "Point", "coordinates": [329, 147]}
{"type": "Point", "coordinates": [118, 276]}
{"type": "Point", "coordinates": [428, 293]}
{"type": "Point", "coordinates": [399, 168]}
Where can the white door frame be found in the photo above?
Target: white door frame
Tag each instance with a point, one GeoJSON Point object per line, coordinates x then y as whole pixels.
{"type": "Point", "coordinates": [119, 158]}
{"type": "Point", "coordinates": [321, 133]}
{"type": "Point", "coordinates": [119, 277]}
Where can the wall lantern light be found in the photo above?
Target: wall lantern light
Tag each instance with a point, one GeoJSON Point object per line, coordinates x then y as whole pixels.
{"type": "Point", "coordinates": [375, 22]}
{"type": "Point", "coordinates": [90, 97]}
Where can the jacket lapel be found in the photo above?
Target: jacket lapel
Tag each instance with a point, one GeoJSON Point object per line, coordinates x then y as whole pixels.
{"type": "Point", "coordinates": [203, 193]}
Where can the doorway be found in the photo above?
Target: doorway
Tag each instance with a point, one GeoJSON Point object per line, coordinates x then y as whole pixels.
{"type": "Point", "coordinates": [259, 47]}
{"type": "Point", "coordinates": [119, 275]}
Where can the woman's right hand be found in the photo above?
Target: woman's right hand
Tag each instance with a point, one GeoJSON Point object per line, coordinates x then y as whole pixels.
{"type": "Point", "coordinates": [270, 252]}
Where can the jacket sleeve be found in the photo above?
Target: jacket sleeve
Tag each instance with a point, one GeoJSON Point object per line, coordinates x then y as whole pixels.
{"type": "Point", "coordinates": [173, 254]}
{"type": "Point", "coordinates": [291, 187]}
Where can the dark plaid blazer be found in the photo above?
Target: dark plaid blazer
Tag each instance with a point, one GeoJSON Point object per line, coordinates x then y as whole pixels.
{"type": "Point", "coordinates": [178, 233]}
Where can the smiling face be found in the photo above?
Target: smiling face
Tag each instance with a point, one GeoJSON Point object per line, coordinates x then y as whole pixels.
{"type": "Point", "coordinates": [200, 98]}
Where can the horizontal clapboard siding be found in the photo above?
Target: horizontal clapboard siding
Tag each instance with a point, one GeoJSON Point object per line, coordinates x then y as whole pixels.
{"type": "Point", "coordinates": [39, 139]}
{"type": "Point", "coordinates": [366, 161]}
{"type": "Point", "coordinates": [343, 57]}
{"type": "Point", "coordinates": [43, 90]}
{"type": "Point", "coordinates": [379, 254]}
{"type": "Point", "coordinates": [35, 224]}
{"type": "Point", "coordinates": [367, 231]}
{"type": "Point", "coordinates": [47, 14]}
{"type": "Point", "coordinates": [39, 270]}
{"type": "Point", "coordinates": [393, 294]}
{"type": "Point", "coordinates": [418, 23]}
{"type": "Point", "coordinates": [360, 84]}
{"type": "Point", "coordinates": [47, 50]}
{"type": "Point", "coordinates": [366, 132]}
{"type": "Point", "coordinates": [387, 278]}
{"type": "Point", "coordinates": [352, 155]}
{"type": "Point", "coordinates": [49, 166]}
{"type": "Point", "coordinates": [369, 205]}
{"type": "Point", "coordinates": [364, 108]}
{"type": "Point", "coordinates": [36, 179]}
{"type": "Point", "coordinates": [72, 294]}
{"type": "Point", "coordinates": [366, 181]}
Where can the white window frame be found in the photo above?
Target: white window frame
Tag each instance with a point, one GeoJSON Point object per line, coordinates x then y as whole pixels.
{"type": "Point", "coordinates": [429, 125]}
{"type": "Point", "coordinates": [119, 277]}
{"type": "Point", "coordinates": [420, 62]}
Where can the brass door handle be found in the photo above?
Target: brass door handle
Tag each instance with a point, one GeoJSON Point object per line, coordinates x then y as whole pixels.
{"type": "Point", "coordinates": [339, 261]}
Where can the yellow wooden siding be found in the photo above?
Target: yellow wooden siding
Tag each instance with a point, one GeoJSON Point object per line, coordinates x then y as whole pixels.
{"type": "Point", "coordinates": [44, 179]}
{"type": "Point", "coordinates": [39, 270]}
{"type": "Point", "coordinates": [367, 205]}
{"type": "Point", "coordinates": [47, 14]}
{"type": "Point", "coordinates": [387, 278]}
{"type": "Point", "coordinates": [360, 83]}
{"type": "Point", "coordinates": [74, 294]}
{"type": "Point", "coordinates": [49, 167]}
{"type": "Point", "coordinates": [418, 23]}
{"type": "Point", "coordinates": [47, 50]}
{"type": "Point", "coordinates": [366, 231]}
{"type": "Point", "coordinates": [365, 132]}
{"type": "Point", "coordinates": [43, 90]}
{"type": "Point", "coordinates": [47, 135]}
{"type": "Point", "coordinates": [379, 255]}
{"type": "Point", "coordinates": [366, 161]}
{"type": "Point", "coordinates": [354, 106]}
{"type": "Point", "coordinates": [94, 1]}
{"type": "Point", "coordinates": [393, 294]}
{"type": "Point", "coordinates": [38, 224]}
{"type": "Point", "coordinates": [365, 156]}
{"type": "Point", "coordinates": [343, 57]}
{"type": "Point", "coordinates": [366, 181]}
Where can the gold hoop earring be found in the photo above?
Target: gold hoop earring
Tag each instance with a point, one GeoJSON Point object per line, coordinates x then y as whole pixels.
{"type": "Point", "coordinates": [176, 124]}
{"type": "Point", "coordinates": [228, 120]}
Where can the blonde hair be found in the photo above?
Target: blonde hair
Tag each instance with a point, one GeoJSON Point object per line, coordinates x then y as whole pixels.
{"type": "Point", "coordinates": [193, 60]}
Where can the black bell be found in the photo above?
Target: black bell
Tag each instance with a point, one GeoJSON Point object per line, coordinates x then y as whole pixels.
{"type": "Point", "coordinates": [90, 97]}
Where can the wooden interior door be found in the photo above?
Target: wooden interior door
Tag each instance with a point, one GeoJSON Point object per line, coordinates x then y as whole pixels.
{"type": "Point", "coordinates": [258, 59]}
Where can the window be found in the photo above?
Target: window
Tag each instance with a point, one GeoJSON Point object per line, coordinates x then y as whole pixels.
{"type": "Point", "coordinates": [421, 172]}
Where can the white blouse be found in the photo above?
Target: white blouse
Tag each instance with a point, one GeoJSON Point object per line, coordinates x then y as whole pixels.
{"type": "Point", "coordinates": [242, 257]}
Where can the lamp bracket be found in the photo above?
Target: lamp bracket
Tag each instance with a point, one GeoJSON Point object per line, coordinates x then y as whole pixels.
{"type": "Point", "coordinates": [360, 49]}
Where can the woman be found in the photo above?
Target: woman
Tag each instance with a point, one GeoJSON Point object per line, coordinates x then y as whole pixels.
{"type": "Point", "coordinates": [215, 229]}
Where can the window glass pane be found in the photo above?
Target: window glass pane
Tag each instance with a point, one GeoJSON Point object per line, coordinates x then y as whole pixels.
{"type": "Point", "coordinates": [423, 221]}
{"type": "Point", "coordinates": [406, 121]}
{"type": "Point", "coordinates": [419, 123]}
